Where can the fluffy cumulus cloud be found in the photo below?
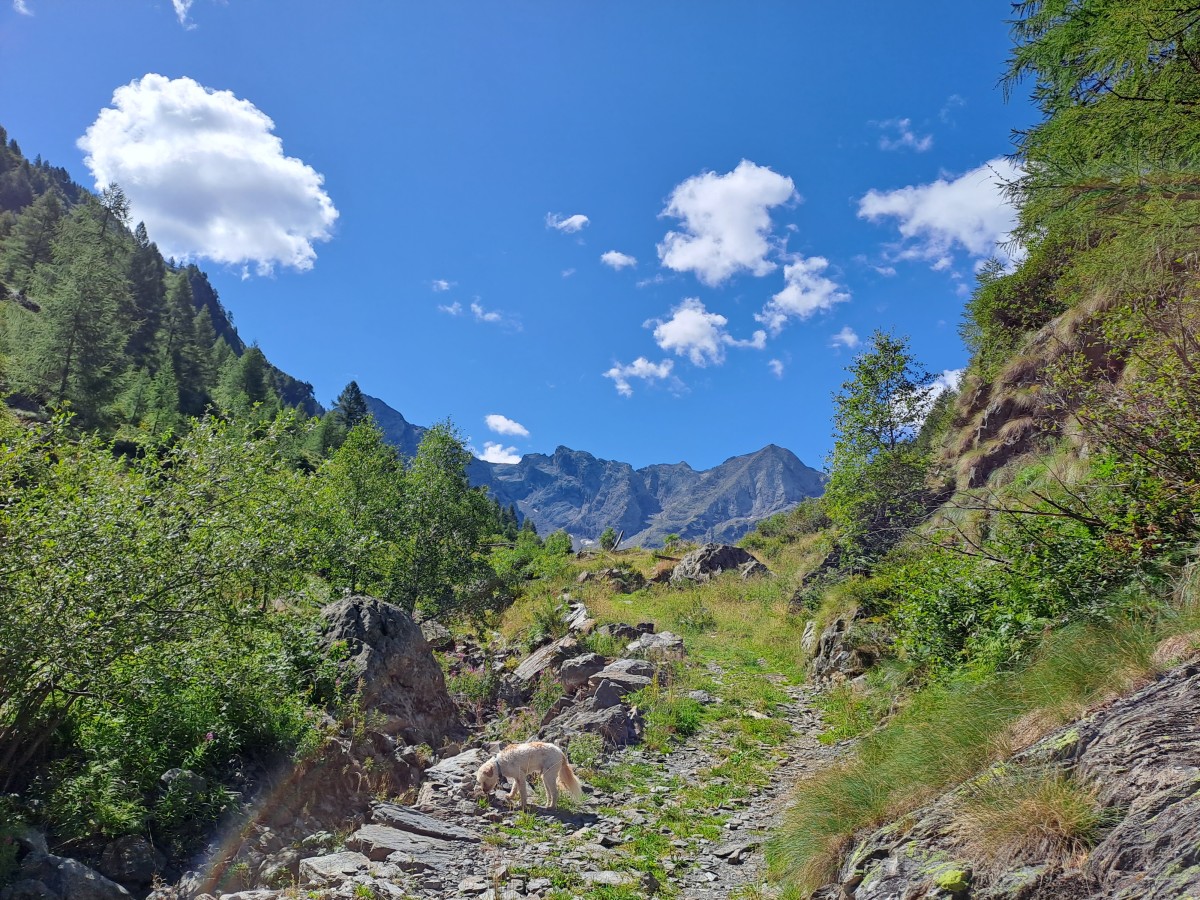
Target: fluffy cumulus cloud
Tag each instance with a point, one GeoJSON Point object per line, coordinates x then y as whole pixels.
{"type": "Point", "coordinates": [617, 260]}
{"type": "Point", "coordinates": [898, 134]}
{"type": "Point", "coordinates": [504, 425]}
{"type": "Point", "coordinates": [846, 338]}
{"type": "Point", "coordinates": [698, 334]}
{"type": "Point", "coordinates": [206, 174]}
{"type": "Point", "coordinates": [968, 214]}
{"type": "Point", "coordinates": [497, 453]}
{"type": "Point", "coordinates": [806, 290]}
{"type": "Point", "coordinates": [641, 368]}
{"type": "Point", "coordinates": [725, 222]}
{"type": "Point", "coordinates": [569, 224]}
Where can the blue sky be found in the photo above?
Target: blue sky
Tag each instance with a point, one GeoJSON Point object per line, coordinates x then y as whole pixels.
{"type": "Point", "coordinates": [653, 231]}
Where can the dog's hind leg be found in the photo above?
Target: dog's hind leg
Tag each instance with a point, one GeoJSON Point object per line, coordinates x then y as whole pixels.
{"type": "Point", "coordinates": [524, 792]}
{"type": "Point", "coordinates": [549, 779]}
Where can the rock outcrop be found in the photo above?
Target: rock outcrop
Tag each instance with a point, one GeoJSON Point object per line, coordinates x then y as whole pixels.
{"type": "Point", "coordinates": [707, 562]}
{"type": "Point", "coordinates": [1139, 757]}
{"type": "Point", "coordinates": [401, 682]}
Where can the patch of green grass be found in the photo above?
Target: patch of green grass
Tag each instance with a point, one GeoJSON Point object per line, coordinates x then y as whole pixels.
{"type": "Point", "coordinates": [947, 733]}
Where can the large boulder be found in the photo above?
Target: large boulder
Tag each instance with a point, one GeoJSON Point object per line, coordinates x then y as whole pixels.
{"type": "Point", "coordinates": [66, 878]}
{"type": "Point", "coordinates": [402, 685]}
{"type": "Point", "coordinates": [132, 860]}
{"type": "Point", "coordinates": [705, 563]}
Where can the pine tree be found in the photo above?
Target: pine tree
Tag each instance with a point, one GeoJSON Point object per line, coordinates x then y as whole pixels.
{"type": "Point", "coordinates": [31, 241]}
{"type": "Point", "coordinates": [351, 406]}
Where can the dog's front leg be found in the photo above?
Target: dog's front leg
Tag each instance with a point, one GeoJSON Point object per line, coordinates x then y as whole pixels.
{"type": "Point", "coordinates": [524, 793]}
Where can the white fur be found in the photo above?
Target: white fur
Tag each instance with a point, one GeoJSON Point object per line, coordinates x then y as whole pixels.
{"type": "Point", "coordinates": [519, 761]}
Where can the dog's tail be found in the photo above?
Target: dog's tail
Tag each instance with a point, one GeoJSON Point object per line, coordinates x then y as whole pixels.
{"type": "Point", "coordinates": [567, 780]}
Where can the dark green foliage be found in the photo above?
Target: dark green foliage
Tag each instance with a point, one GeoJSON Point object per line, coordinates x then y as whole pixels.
{"type": "Point", "coordinates": [351, 406]}
{"type": "Point", "coordinates": [876, 488]}
{"type": "Point", "coordinates": [608, 538]}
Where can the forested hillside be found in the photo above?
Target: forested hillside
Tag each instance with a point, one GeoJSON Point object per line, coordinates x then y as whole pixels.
{"type": "Point", "coordinates": [94, 319]}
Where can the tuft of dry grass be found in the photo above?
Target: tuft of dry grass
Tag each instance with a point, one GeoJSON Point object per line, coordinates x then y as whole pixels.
{"type": "Point", "coordinates": [1017, 817]}
{"type": "Point", "coordinates": [1175, 649]}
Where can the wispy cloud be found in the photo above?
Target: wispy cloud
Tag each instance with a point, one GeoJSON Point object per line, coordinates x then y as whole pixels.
{"type": "Point", "coordinates": [898, 134]}
{"type": "Point", "coordinates": [567, 273]}
{"type": "Point", "coordinates": [485, 315]}
{"type": "Point", "coordinates": [206, 174]}
{"type": "Point", "coordinates": [494, 452]}
{"type": "Point", "coordinates": [617, 260]}
{"type": "Point", "coordinates": [971, 213]}
{"type": "Point", "coordinates": [725, 222]}
{"type": "Point", "coordinates": [806, 290]}
{"type": "Point", "coordinates": [642, 369]}
{"type": "Point", "coordinates": [568, 224]}
{"type": "Point", "coordinates": [776, 367]}
{"type": "Point", "coordinates": [845, 338]}
{"type": "Point", "coordinates": [452, 309]}
{"type": "Point", "coordinates": [953, 102]}
{"type": "Point", "coordinates": [440, 285]}
{"type": "Point", "coordinates": [22, 7]}
{"type": "Point", "coordinates": [504, 425]}
{"type": "Point", "coordinates": [181, 12]}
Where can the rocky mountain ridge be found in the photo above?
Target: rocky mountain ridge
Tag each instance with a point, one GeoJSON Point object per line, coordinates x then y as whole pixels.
{"type": "Point", "coordinates": [583, 494]}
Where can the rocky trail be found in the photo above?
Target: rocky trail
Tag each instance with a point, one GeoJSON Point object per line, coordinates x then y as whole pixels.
{"type": "Point", "coordinates": [450, 846]}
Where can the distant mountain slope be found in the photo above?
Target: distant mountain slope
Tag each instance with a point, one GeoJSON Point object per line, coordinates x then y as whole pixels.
{"type": "Point", "coordinates": [575, 491]}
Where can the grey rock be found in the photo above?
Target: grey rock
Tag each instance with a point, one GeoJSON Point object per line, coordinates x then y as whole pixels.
{"type": "Point", "coordinates": [576, 671]}
{"type": "Point", "coordinates": [28, 889]}
{"type": "Point", "coordinates": [401, 681]}
{"type": "Point", "coordinates": [450, 780]}
{"type": "Point", "coordinates": [663, 646]}
{"type": "Point", "coordinates": [610, 879]}
{"type": "Point", "coordinates": [437, 635]}
{"type": "Point", "coordinates": [753, 569]}
{"type": "Point", "coordinates": [406, 818]}
{"type": "Point", "coordinates": [606, 694]}
{"type": "Point", "coordinates": [132, 860]}
{"type": "Point", "coordinates": [705, 563]}
{"type": "Point", "coordinates": [69, 878]}
{"type": "Point", "coordinates": [638, 667]}
{"type": "Point", "coordinates": [1140, 756]}
{"type": "Point", "coordinates": [322, 871]}
{"type": "Point", "coordinates": [619, 630]}
{"type": "Point", "coordinates": [184, 780]}
{"type": "Point", "coordinates": [545, 659]}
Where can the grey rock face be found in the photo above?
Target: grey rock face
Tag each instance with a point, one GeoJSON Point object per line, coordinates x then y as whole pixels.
{"type": "Point", "coordinates": [1141, 754]}
{"type": "Point", "coordinates": [836, 659]}
{"type": "Point", "coordinates": [69, 878]}
{"type": "Point", "coordinates": [662, 646]}
{"type": "Point", "coordinates": [704, 563]}
{"type": "Point", "coordinates": [132, 860]}
{"type": "Point", "coordinates": [400, 678]}
{"type": "Point", "coordinates": [575, 672]}
{"type": "Point", "coordinates": [333, 869]}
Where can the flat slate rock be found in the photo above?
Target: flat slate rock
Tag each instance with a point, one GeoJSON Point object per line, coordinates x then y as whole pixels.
{"type": "Point", "coordinates": [410, 852]}
{"type": "Point", "coordinates": [406, 818]}
{"type": "Point", "coordinates": [333, 868]}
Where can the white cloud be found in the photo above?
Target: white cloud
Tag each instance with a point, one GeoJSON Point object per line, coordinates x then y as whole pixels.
{"type": "Point", "coordinates": [181, 11]}
{"type": "Point", "coordinates": [205, 173]}
{"type": "Point", "coordinates": [776, 367]}
{"type": "Point", "coordinates": [485, 315]}
{"type": "Point", "coordinates": [805, 291]}
{"type": "Point", "coordinates": [567, 273]}
{"type": "Point", "coordinates": [698, 334]}
{"type": "Point", "coordinates": [953, 102]}
{"type": "Point", "coordinates": [504, 425]}
{"type": "Point", "coordinates": [441, 284]}
{"type": "Point", "coordinates": [454, 309]}
{"type": "Point", "coordinates": [845, 338]}
{"type": "Point", "coordinates": [726, 222]}
{"type": "Point", "coordinates": [949, 380]}
{"type": "Point", "coordinates": [569, 224]}
{"type": "Point", "coordinates": [617, 259]}
{"type": "Point", "coordinates": [22, 7]}
{"type": "Point", "coordinates": [497, 453]}
{"type": "Point", "coordinates": [898, 134]}
{"type": "Point", "coordinates": [658, 278]}
{"type": "Point", "coordinates": [885, 271]}
{"type": "Point", "coordinates": [969, 213]}
{"type": "Point", "coordinates": [640, 368]}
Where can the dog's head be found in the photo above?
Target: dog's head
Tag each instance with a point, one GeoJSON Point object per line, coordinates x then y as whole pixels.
{"type": "Point", "coordinates": [486, 778]}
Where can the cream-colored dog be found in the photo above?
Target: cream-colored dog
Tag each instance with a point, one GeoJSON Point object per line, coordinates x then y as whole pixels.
{"type": "Point", "coordinates": [517, 762]}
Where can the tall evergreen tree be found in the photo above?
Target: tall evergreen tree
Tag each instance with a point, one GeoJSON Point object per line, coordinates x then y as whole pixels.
{"type": "Point", "coordinates": [31, 241]}
{"type": "Point", "coordinates": [351, 405]}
